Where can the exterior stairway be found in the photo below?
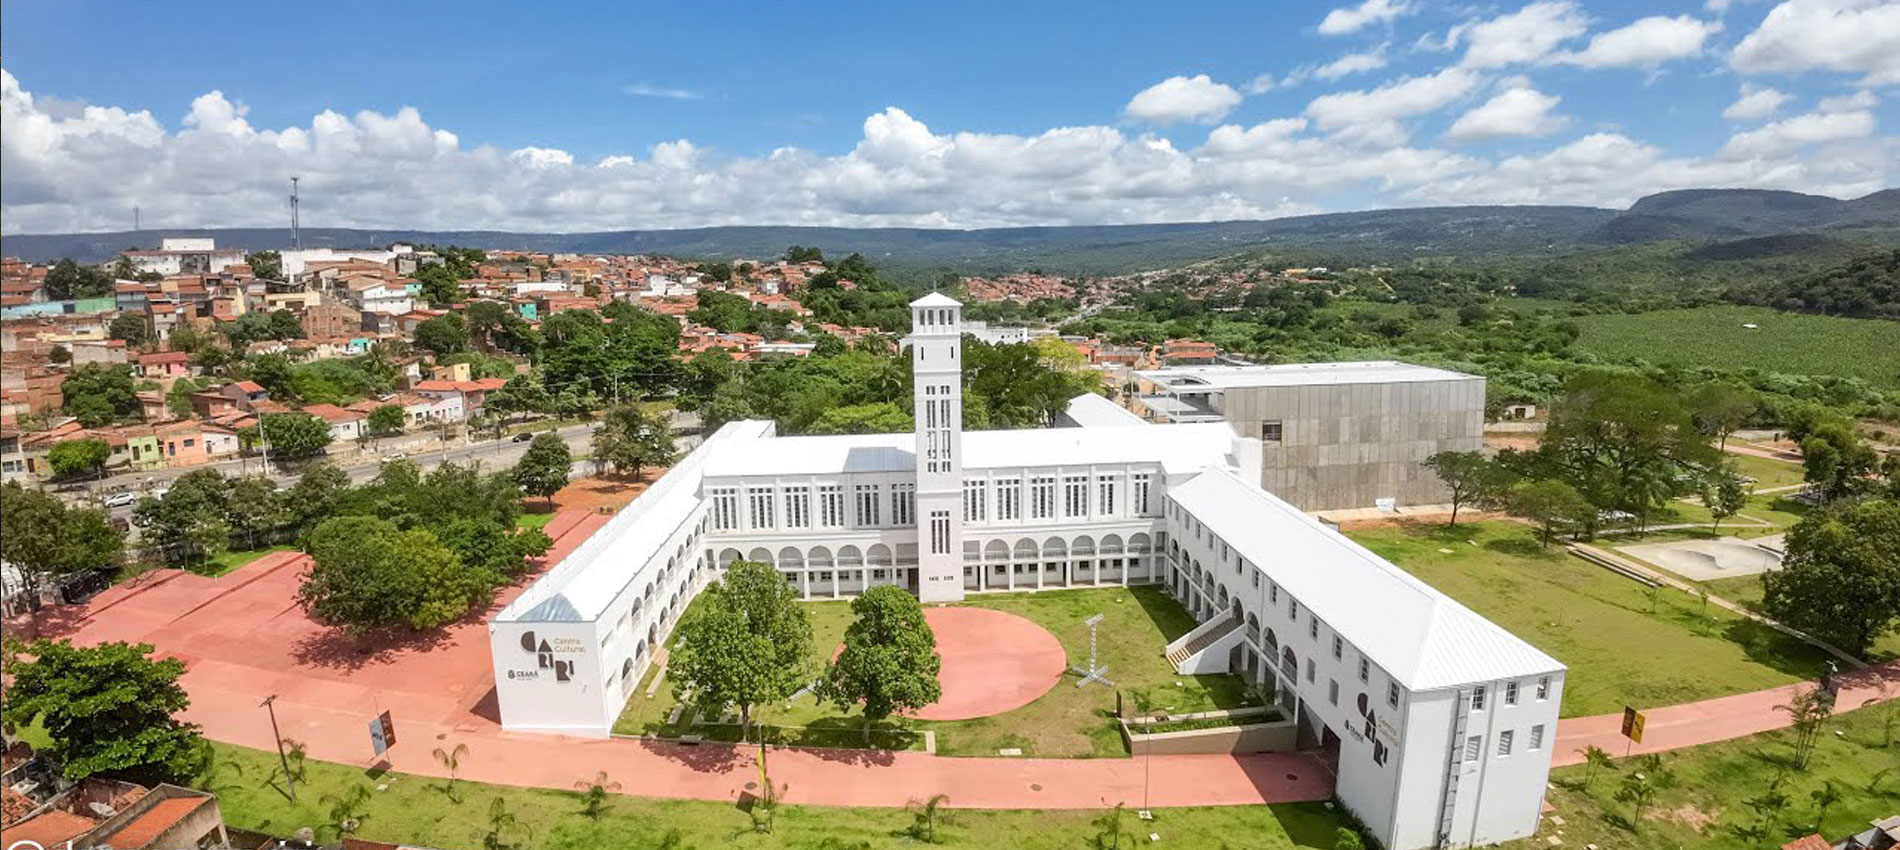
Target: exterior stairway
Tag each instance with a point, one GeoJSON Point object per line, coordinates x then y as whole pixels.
{"type": "Point", "coordinates": [1210, 635]}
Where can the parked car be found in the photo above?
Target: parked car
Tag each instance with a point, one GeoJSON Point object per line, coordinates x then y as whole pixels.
{"type": "Point", "coordinates": [120, 500]}
{"type": "Point", "coordinates": [522, 437]}
{"type": "Point", "coordinates": [395, 456]}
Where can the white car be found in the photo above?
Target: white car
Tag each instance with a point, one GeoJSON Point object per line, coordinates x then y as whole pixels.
{"type": "Point", "coordinates": [120, 500]}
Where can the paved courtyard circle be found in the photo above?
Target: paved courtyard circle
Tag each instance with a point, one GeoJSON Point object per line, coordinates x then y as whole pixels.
{"type": "Point", "coordinates": [993, 662]}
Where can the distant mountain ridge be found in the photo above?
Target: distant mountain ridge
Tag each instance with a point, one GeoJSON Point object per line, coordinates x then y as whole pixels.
{"type": "Point", "coordinates": [1382, 235]}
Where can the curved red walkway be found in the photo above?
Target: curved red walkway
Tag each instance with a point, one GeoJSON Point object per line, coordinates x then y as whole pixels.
{"type": "Point", "coordinates": [992, 662]}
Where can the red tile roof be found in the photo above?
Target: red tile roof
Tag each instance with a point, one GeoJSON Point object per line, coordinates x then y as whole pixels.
{"type": "Point", "coordinates": [331, 413]}
{"type": "Point", "coordinates": [48, 829]}
{"type": "Point", "coordinates": [146, 827]}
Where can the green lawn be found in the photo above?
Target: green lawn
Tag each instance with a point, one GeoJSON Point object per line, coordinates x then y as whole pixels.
{"type": "Point", "coordinates": [1066, 722]}
{"type": "Point", "coordinates": [534, 516]}
{"type": "Point", "coordinates": [225, 562]}
{"type": "Point", "coordinates": [1624, 645]}
{"type": "Point", "coordinates": [1714, 784]}
{"type": "Point", "coordinates": [1791, 343]}
{"type": "Point", "coordinates": [1747, 590]}
{"type": "Point", "coordinates": [415, 809]}
{"type": "Point", "coordinates": [1767, 471]}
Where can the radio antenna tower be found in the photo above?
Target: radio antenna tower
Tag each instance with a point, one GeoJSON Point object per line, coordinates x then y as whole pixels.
{"type": "Point", "coordinates": [296, 236]}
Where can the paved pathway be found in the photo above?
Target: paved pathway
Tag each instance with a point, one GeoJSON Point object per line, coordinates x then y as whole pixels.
{"type": "Point", "coordinates": [1689, 724]}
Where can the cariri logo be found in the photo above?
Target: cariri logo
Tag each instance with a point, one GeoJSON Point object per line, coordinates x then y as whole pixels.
{"type": "Point", "coordinates": [544, 657]}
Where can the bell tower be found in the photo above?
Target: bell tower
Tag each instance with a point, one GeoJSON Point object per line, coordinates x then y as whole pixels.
{"type": "Point", "coordinates": [936, 364]}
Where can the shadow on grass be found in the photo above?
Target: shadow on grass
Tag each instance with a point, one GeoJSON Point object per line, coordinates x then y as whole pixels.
{"type": "Point", "coordinates": [1522, 546]}
{"type": "Point", "coordinates": [1764, 645]}
{"type": "Point", "coordinates": [1167, 614]}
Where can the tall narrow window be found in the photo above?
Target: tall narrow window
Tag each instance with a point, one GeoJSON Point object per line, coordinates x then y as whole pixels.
{"type": "Point", "coordinates": [1141, 493]}
{"type": "Point", "coordinates": [976, 501]}
{"type": "Point", "coordinates": [1105, 496]}
{"type": "Point", "coordinates": [1504, 743]}
{"type": "Point", "coordinates": [831, 505]}
{"type": "Point", "coordinates": [798, 507]}
{"type": "Point", "coordinates": [761, 503]}
{"type": "Point", "coordinates": [1075, 496]}
{"type": "Point", "coordinates": [1042, 497]}
{"type": "Point", "coordinates": [1009, 500]}
{"type": "Point", "coordinates": [940, 532]}
{"type": "Point", "coordinates": [1537, 738]}
{"type": "Point", "coordinates": [868, 513]}
{"type": "Point", "coordinates": [903, 504]}
{"type": "Point", "coordinates": [725, 508]}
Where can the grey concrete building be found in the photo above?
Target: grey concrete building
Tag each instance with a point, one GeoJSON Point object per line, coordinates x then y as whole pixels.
{"type": "Point", "coordinates": [1334, 435]}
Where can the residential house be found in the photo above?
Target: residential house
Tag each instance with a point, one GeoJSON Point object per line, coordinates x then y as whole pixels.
{"type": "Point", "coordinates": [164, 365]}
{"type": "Point", "coordinates": [183, 443]}
{"type": "Point", "coordinates": [244, 395]}
{"type": "Point", "coordinates": [345, 425]}
{"type": "Point", "coordinates": [219, 440]}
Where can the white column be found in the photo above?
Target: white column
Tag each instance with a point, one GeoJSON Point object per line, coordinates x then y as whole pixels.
{"type": "Point", "coordinates": [936, 344]}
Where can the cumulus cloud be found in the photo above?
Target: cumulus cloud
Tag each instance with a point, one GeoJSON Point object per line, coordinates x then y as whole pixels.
{"type": "Point", "coordinates": [1352, 63]}
{"type": "Point", "coordinates": [1646, 43]}
{"type": "Point", "coordinates": [79, 167]}
{"type": "Point", "coordinates": [1354, 18]}
{"type": "Point", "coordinates": [1755, 103]}
{"type": "Point", "coordinates": [1849, 36]}
{"type": "Point", "coordinates": [1177, 99]}
{"type": "Point", "coordinates": [1518, 111]}
{"type": "Point", "coordinates": [1527, 35]}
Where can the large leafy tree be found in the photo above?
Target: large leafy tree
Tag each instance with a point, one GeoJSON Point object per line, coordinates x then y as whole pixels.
{"type": "Point", "coordinates": [68, 280]}
{"type": "Point", "coordinates": [747, 645]}
{"type": "Point", "coordinates": [386, 419]}
{"type": "Point", "coordinates": [1836, 461]}
{"type": "Point", "coordinates": [542, 470]}
{"type": "Point", "coordinates": [1471, 479]}
{"type": "Point", "coordinates": [366, 574]}
{"type": "Point", "coordinates": [631, 356]}
{"type": "Point", "coordinates": [192, 522]}
{"type": "Point", "coordinates": [130, 327]}
{"type": "Point", "coordinates": [85, 456]}
{"type": "Point", "coordinates": [315, 496]}
{"type": "Point", "coordinates": [1841, 578]}
{"type": "Point", "coordinates": [99, 394]}
{"type": "Point", "coordinates": [43, 536]}
{"type": "Point", "coordinates": [266, 265]}
{"type": "Point", "coordinates": [889, 662]}
{"type": "Point", "coordinates": [294, 436]}
{"type": "Point", "coordinates": [631, 437]}
{"type": "Point", "coordinates": [1625, 443]}
{"type": "Point", "coordinates": [493, 326]}
{"type": "Point", "coordinates": [444, 334]}
{"type": "Point", "coordinates": [1553, 506]}
{"type": "Point", "coordinates": [109, 709]}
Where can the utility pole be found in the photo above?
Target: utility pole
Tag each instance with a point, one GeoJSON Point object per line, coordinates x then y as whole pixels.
{"type": "Point", "coordinates": [270, 704]}
{"type": "Point", "coordinates": [296, 235]}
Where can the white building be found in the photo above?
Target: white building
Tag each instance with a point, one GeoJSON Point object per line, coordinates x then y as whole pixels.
{"type": "Point", "coordinates": [1440, 721]}
{"type": "Point", "coordinates": [186, 256]}
{"type": "Point", "coordinates": [294, 260]}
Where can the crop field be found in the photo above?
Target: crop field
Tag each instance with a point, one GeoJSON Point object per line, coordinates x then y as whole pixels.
{"type": "Point", "coordinates": [1792, 343]}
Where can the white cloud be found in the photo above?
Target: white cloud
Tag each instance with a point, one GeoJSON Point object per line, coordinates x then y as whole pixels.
{"type": "Point", "coordinates": [1716, 6]}
{"type": "Point", "coordinates": [649, 90]}
{"type": "Point", "coordinates": [1645, 43]}
{"type": "Point", "coordinates": [1527, 35]}
{"type": "Point", "coordinates": [1848, 36]}
{"type": "Point", "coordinates": [1755, 103]}
{"type": "Point", "coordinates": [1352, 63]}
{"type": "Point", "coordinates": [1518, 111]}
{"type": "Point", "coordinates": [1261, 84]}
{"type": "Point", "coordinates": [1176, 99]}
{"type": "Point", "coordinates": [74, 167]}
{"type": "Point", "coordinates": [1377, 109]}
{"type": "Point", "coordinates": [1353, 18]}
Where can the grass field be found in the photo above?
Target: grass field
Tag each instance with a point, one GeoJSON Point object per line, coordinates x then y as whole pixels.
{"type": "Point", "coordinates": [225, 562]}
{"type": "Point", "coordinates": [416, 810]}
{"type": "Point", "coordinates": [1065, 722]}
{"type": "Point", "coordinates": [1720, 787]}
{"type": "Point", "coordinates": [1624, 646]}
{"type": "Point", "coordinates": [1791, 343]}
{"type": "Point", "coordinates": [1767, 472]}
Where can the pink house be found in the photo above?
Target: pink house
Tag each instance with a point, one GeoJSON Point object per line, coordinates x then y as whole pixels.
{"type": "Point", "coordinates": [165, 364]}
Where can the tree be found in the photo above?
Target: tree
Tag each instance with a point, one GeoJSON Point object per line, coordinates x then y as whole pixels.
{"type": "Point", "coordinates": [346, 810]}
{"type": "Point", "coordinates": [1625, 443]}
{"type": "Point", "coordinates": [266, 265]}
{"type": "Point", "coordinates": [1808, 712]}
{"type": "Point", "coordinates": [386, 419]}
{"type": "Point", "coordinates": [253, 509]}
{"type": "Point", "coordinates": [83, 456]}
{"type": "Point", "coordinates": [451, 760]}
{"type": "Point", "coordinates": [439, 284]}
{"type": "Point", "coordinates": [191, 523]}
{"type": "Point", "coordinates": [1470, 478]}
{"type": "Point", "coordinates": [445, 334]}
{"type": "Point", "coordinates": [747, 645]}
{"type": "Point", "coordinates": [315, 496]}
{"type": "Point", "coordinates": [630, 437]}
{"type": "Point", "coordinates": [504, 829]}
{"type": "Point", "coordinates": [889, 662]}
{"type": "Point", "coordinates": [294, 436]}
{"type": "Point", "coordinates": [1595, 758]}
{"type": "Point", "coordinates": [1836, 460]}
{"type": "Point", "coordinates": [594, 794]}
{"type": "Point", "coordinates": [130, 327]}
{"type": "Point", "coordinates": [925, 816]}
{"type": "Point", "coordinates": [366, 573]}
{"type": "Point", "coordinates": [99, 394]}
{"type": "Point", "coordinates": [1110, 830]}
{"type": "Point", "coordinates": [43, 536]}
{"type": "Point", "coordinates": [1640, 787]}
{"type": "Point", "coordinates": [67, 280]}
{"type": "Point", "coordinates": [109, 709]}
{"type": "Point", "coordinates": [1841, 578]}
{"type": "Point", "coordinates": [1719, 409]}
{"type": "Point", "coordinates": [1724, 495]}
{"type": "Point", "coordinates": [542, 470]}
{"type": "Point", "coordinates": [1824, 798]}
{"type": "Point", "coordinates": [1553, 506]}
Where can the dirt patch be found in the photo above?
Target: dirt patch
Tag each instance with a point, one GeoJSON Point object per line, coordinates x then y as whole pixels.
{"type": "Point", "coordinates": [1689, 816]}
{"type": "Point", "coordinates": [1500, 441]}
{"type": "Point", "coordinates": [602, 493]}
{"type": "Point", "coordinates": [1413, 520]}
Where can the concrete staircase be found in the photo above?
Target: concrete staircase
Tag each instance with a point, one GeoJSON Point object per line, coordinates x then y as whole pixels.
{"type": "Point", "coordinates": [1203, 650]}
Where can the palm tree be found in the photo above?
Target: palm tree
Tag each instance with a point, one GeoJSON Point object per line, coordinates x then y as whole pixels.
{"type": "Point", "coordinates": [1824, 798]}
{"type": "Point", "coordinates": [503, 827]}
{"type": "Point", "coordinates": [346, 809]}
{"type": "Point", "coordinates": [1595, 757]}
{"type": "Point", "coordinates": [1109, 831]}
{"type": "Point", "coordinates": [451, 759]}
{"type": "Point", "coordinates": [927, 814]}
{"type": "Point", "coordinates": [594, 794]}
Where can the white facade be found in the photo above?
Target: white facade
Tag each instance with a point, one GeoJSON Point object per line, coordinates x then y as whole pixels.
{"type": "Point", "coordinates": [186, 256]}
{"type": "Point", "coordinates": [295, 260]}
{"type": "Point", "coordinates": [1402, 682]}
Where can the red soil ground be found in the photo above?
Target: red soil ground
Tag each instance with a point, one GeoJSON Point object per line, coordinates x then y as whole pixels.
{"type": "Point", "coordinates": [992, 662]}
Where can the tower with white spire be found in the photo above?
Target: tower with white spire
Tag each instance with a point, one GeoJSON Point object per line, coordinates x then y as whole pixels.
{"type": "Point", "coordinates": [936, 363]}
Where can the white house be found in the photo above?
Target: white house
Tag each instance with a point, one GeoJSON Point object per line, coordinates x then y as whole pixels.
{"type": "Point", "coordinates": [186, 256]}
{"type": "Point", "coordinates": [1440, 721]}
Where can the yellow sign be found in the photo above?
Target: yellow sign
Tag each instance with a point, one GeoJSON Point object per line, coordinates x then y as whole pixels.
{"type": "Point", "coordinates": [1633, 725]}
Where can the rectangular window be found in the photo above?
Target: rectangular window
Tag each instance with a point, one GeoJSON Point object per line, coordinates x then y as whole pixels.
{"type": "Point", "coordinates": [1293, 609]}
{"type": "Point", "coordinates": [1141, 493]}
{"type": "Point", "coordinates": [1312, 628]}
{"type": "Point", "coordinates": [1009, 500]}
{"type": "Point", "coordinates": [868, 506]}
{"type": "Point", "coordinates": [831, 505]}
{"type": "Point", "coordinates": [1104, 496]}
{"type": "Point", "coordinates": [1042, 498]}
{"type": "Point", "coordinates": [1273, 591]}
{"type": "Point", "coordinates": [1477, 698]}
{"type": "Point", "coordinates": [761, 504]}
{"type": "Point", "coordinates": [1510, 693]}
{"type": "Point", "coordinates": [1075, 496]}
{"type": "Point", "coordinates": [1272, 432]}
{"type": "Point", "coordinates": [1504, 743]}
{"type": "Point", "coordinates": [1256, 578]}
{"type": "Point", "coordinates": [1339, 648]}
{"type": "Point", "coordinates": [903, 504]}
{"type": "Point", "coordinates": [1543, 689]}
{"type": "Point", "coordinates": [1312, 669]}
{"type": "Point", "coordinates": [725, 508]}
{"type": "Point", "coordinates": [976, 501]}
{"type": "Point", "coordinates": [939, 532]}
{"type": "Point", "coordinates": [1392, 694]}
{"type": "Point", "coordinates": [1473, 746]}
{"type": "Point", "coordinates": [1537, 738]}
{"type": "Point", "coordinates": [1332, 691]}
{"type": "Point", "coordinates": [798, 507]}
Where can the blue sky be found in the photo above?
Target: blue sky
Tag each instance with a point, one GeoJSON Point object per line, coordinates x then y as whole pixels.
{"type": "Point", "coordinates": [565, 116]}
